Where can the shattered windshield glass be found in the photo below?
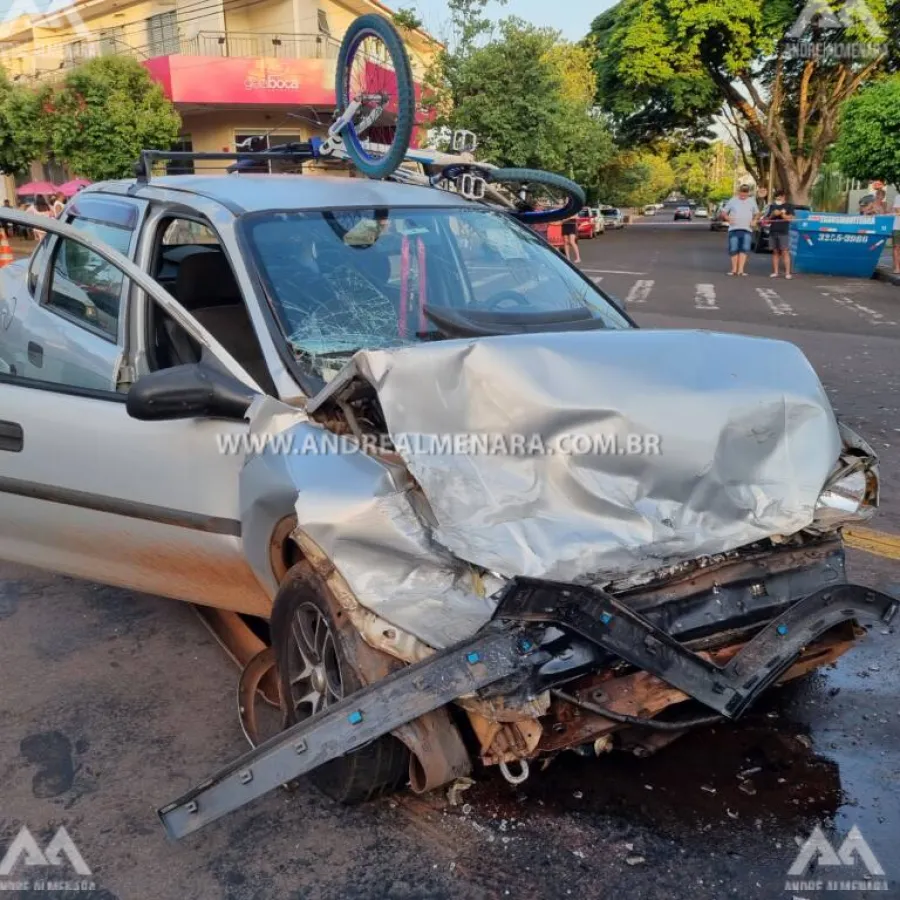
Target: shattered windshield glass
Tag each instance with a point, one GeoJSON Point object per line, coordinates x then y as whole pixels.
{"type": "Point", "coordinates": [346, 280]}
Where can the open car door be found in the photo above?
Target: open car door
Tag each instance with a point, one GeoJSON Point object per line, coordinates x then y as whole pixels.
{"type": "Point", "coordinates": [91, 492]}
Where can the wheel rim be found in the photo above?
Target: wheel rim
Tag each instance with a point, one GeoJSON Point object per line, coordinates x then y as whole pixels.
{"type": "Point", "coordinates": [314, 671]}
{"type": "Point", "coordinates": [372, 80]}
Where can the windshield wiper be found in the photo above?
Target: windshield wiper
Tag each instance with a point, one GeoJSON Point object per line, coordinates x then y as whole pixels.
{"type": "Point", "coordinates": [487, 323]}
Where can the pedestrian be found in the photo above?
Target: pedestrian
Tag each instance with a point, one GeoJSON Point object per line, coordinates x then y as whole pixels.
{"type": "Point", "coordinates": [570, 240]}
{"type": "Point", "coordinates": [896, 237]}
{"type": "Point", "coordinates": [40, 207]}
{"type": "Point", "coordinates": [781, 213]}
{"type": "Point", "coordinates": [741, 214]}
{"type": "Point", "coordinates": [878, 207]}
{"type": "Point", "coordinates": [59, 204]}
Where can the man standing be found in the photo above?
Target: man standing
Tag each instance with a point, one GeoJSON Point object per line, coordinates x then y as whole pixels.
{"type": "Point", "coordinates": [741, 214]}
{"type": "Point", "coordinates": [781, 212]}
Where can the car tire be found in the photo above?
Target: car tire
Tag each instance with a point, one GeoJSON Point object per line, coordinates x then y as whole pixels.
{"type": "Point", "coordinates": [303, 609]}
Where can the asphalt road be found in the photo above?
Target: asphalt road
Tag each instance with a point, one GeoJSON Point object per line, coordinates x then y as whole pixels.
{"type": "Point", "coordinates": [112, 704]}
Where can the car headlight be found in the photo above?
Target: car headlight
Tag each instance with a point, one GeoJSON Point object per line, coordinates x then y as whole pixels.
{"type": "Point", "coordinates": [851, 494]}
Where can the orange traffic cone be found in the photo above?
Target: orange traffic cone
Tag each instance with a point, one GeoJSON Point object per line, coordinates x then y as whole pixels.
{"type": "Point", "coordinates": [6, 254]}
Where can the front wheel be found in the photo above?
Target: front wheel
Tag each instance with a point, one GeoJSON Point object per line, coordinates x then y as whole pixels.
{"type": "Point", "coordinates": [373, 71]}
{"type": "Point", "coordinates": [314, 672]}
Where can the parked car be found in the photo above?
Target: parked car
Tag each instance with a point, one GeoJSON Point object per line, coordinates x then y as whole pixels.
{"type": "Point", "coordinates": [612, 217]}
{"type": "Point", "coordinates": [587, 227]}
{"type": "Point", "coordinates": [683, 213]}
{"type": "Point", "coordinates": [599, 225]}
{"type": "Point", "coordinates": [763, 230]}
{"type": "Point", "coordinates": [718, 221]}
{"type": "Point", "coordinates": [250, 413]}
{"type": "Point", "coordinates": [650, 210]}
{"type": "Point", "coordinates": [701, 212]}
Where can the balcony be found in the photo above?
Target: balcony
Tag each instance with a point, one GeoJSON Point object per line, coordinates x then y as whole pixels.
{"type": "Point", "coordinates": [253, 45]}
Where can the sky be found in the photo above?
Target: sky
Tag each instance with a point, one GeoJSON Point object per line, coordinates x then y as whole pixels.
{"type": "Point", "coordinates": [572, 17]}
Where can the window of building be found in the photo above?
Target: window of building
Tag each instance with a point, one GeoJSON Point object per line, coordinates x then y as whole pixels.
{"type": "Point", "coordinates": [75, 52]}
{"type": "Point", "coordinates": [260, 143]}
{"type": "Point", "coordinates": [184, 144]}
{"type": "Point", "coordinates": [162, 34]}
{"type": "Point", "coordinates": [112, 41]}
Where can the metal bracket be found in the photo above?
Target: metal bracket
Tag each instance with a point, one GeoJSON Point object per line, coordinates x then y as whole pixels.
{"type": "Point", "coordinates": [610, 624]}
{"type": "Point", "coordinates": [364, 716]}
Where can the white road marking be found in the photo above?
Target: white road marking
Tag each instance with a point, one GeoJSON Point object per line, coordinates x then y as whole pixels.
{"type": "Point", "coordinates": [705, 296]}
{"type": "Point", "coordinates": [597, 279]}
{"type": "Point", "coordinates": [873, 317]}
{"type": "Point", "coordinates": [773, 300]}
{"type": "Point", "coordinates": [639, 292]}
{"type": "Point", "coordinates": [611, 272]}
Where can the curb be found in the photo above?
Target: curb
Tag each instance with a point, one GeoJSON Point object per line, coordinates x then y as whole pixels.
{"type": "Point", "coordinates": [882, 273]}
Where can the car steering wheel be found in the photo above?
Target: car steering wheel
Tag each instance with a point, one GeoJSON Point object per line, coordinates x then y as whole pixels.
{"type": "Point", "coordinates": [519, 301]}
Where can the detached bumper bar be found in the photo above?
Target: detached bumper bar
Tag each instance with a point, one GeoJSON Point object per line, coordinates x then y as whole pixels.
{"type": "Point", "coordinates": [510, 647]}
{"type": "Point", "coordinates": [606, 622]}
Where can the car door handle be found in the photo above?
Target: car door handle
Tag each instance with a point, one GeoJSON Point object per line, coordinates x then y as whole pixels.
{"type": "Point", "coordinates": [35, 354]}
{"type": "Point", "coordinates": [11, 437]}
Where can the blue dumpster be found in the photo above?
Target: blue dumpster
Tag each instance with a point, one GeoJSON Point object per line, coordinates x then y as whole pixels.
{"type": "Point", "coordinates": [834, 244]}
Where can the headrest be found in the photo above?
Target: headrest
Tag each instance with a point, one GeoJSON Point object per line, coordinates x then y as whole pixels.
{"type": "Point", "coordinates": [206, 279]}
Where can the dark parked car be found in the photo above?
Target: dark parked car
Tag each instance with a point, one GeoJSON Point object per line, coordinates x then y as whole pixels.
{"type": "Point", "coordinates": [684, 212]}
{"type": "Point", "coordinates": [717, 221]}
{"type": "Point", "coordinates": [761, 243]}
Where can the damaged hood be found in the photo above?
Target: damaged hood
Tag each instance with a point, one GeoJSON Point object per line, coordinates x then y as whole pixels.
{"type": "Point", "coordinates": [587, 457]}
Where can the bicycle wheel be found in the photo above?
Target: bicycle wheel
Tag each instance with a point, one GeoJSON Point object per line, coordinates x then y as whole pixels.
{"type": "Point", "coordinates": [374, 71]}
{"type": "Point", "coordinates": [540, 197]}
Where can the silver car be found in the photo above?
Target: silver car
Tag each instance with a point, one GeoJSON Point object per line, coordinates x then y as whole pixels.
{"type": "Point", "coordinates": [408, 434]}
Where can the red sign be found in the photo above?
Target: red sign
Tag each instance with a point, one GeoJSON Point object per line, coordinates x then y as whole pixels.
{"type": "Point", "coordinates": [236, 81]}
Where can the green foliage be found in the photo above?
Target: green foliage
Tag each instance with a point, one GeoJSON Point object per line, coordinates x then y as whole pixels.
{"type": "Point", "coordinates": [869, 144]}
{"type": "Point", "coordinates": [525, 92]}
{"type": "Point", "coordinates": [23, 136]}
{"type": "Point", "coordinates": [407, 19]}
{"type": "Point", "coordinates": [635, 179]}
{"type": "Point", "coordinates": [106, 111]}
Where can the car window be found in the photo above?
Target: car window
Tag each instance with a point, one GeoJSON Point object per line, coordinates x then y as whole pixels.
{"type": "Point", "coordinates": [186, 231]}
{"type": "Point", "coordinates": [83, 286]}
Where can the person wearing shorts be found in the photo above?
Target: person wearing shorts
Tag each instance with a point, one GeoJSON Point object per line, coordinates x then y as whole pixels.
{"type": "Point", "coordinates": [897, 234]}
{"type": "Point", "coordinates": [780, 214]}
{"type": "Point", "coordinates": [741, 213]}
{"type": "Point", "coordinates": [570, 240]}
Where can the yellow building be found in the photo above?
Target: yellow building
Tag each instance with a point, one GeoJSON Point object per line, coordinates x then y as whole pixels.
{"type": "Point", "coordinates": [233, 68]}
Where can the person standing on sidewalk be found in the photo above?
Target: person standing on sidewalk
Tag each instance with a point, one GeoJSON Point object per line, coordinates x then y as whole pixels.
{"type": "Point", "coordinates": [896, 237]}
{"type": "Point", "coordinates": [741, 213]}
{"type": "Point", "coordinates": [781, 212]}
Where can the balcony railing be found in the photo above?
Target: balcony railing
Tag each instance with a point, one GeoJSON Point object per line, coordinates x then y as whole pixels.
{"type": "Point", "coordinates": [252, 44]}
{"type": "Point", "coordinates": [50, 62]}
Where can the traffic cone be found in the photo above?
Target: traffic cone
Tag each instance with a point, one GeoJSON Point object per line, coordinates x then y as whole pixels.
{"type": "Point", "coordinates": [6, 254]}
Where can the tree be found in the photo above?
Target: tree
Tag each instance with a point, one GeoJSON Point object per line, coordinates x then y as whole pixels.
{"type": "Point", "coordinates": [525, 92]}
{"type": "Point", "coordinates": [869, 144]}
{"type": "Point", "coordinates": [105, 112]}
{"type": "Point", "coordinates": [634, 179]}
{"type": "Point", "coordinates": [407, 19]}
{"type": "Point", "coordinates": [23, 135]}
{"type": "Point", "coordinates": [782, 69]}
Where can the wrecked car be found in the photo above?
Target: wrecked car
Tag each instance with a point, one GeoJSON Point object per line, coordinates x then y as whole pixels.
{"type": "Point", "coordinates": [485, 518]}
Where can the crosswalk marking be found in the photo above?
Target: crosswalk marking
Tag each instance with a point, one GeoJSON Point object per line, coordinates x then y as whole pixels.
{"type": "Point", "coordinates": [705, 296]}
{"type": "Point", "coordinates": [873, 317]}
{"type": "Point", "coordinates": [775, 303]}
{"type": "Point", "coordinates": [639, 292]}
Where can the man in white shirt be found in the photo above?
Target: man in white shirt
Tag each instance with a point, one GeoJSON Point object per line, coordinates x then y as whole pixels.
{"type": "Point", "coordinates": [897, 233]}
{"type": "Point", "coordinates": [741, 213]}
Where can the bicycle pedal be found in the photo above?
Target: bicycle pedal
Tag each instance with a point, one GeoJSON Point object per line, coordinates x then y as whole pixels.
{"type": "Point", "coordinates": [464, 141]}
{"type": "Point", "coordinates": [472, 187]}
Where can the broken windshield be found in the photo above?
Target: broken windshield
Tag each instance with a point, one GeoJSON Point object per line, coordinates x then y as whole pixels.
{"type": "Point", "coordinates": [345, 280]}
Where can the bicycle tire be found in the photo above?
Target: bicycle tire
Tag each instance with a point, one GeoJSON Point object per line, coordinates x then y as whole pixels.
{"type": "Point", "coordinates": [363, 27]}
{"type": "Point", "coordinates": [576, 196]}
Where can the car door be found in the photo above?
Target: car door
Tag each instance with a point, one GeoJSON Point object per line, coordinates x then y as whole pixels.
{"type": "Point", "coordinates": [90, 492]}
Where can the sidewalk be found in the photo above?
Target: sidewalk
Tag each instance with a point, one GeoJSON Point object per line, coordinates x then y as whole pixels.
{"type": "Point", "coordinates": [885, 270]}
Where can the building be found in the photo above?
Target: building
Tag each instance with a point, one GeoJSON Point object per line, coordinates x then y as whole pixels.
{"type": "Point", "coordinates": [233, 68]}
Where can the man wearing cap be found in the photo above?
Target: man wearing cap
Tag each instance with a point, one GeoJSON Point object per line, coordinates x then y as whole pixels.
{"type": "Point", "coordinates": [741, 213]}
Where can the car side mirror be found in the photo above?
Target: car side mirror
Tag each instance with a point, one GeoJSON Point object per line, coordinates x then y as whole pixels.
{"type": "Point", "coordinates": [188, 392]}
